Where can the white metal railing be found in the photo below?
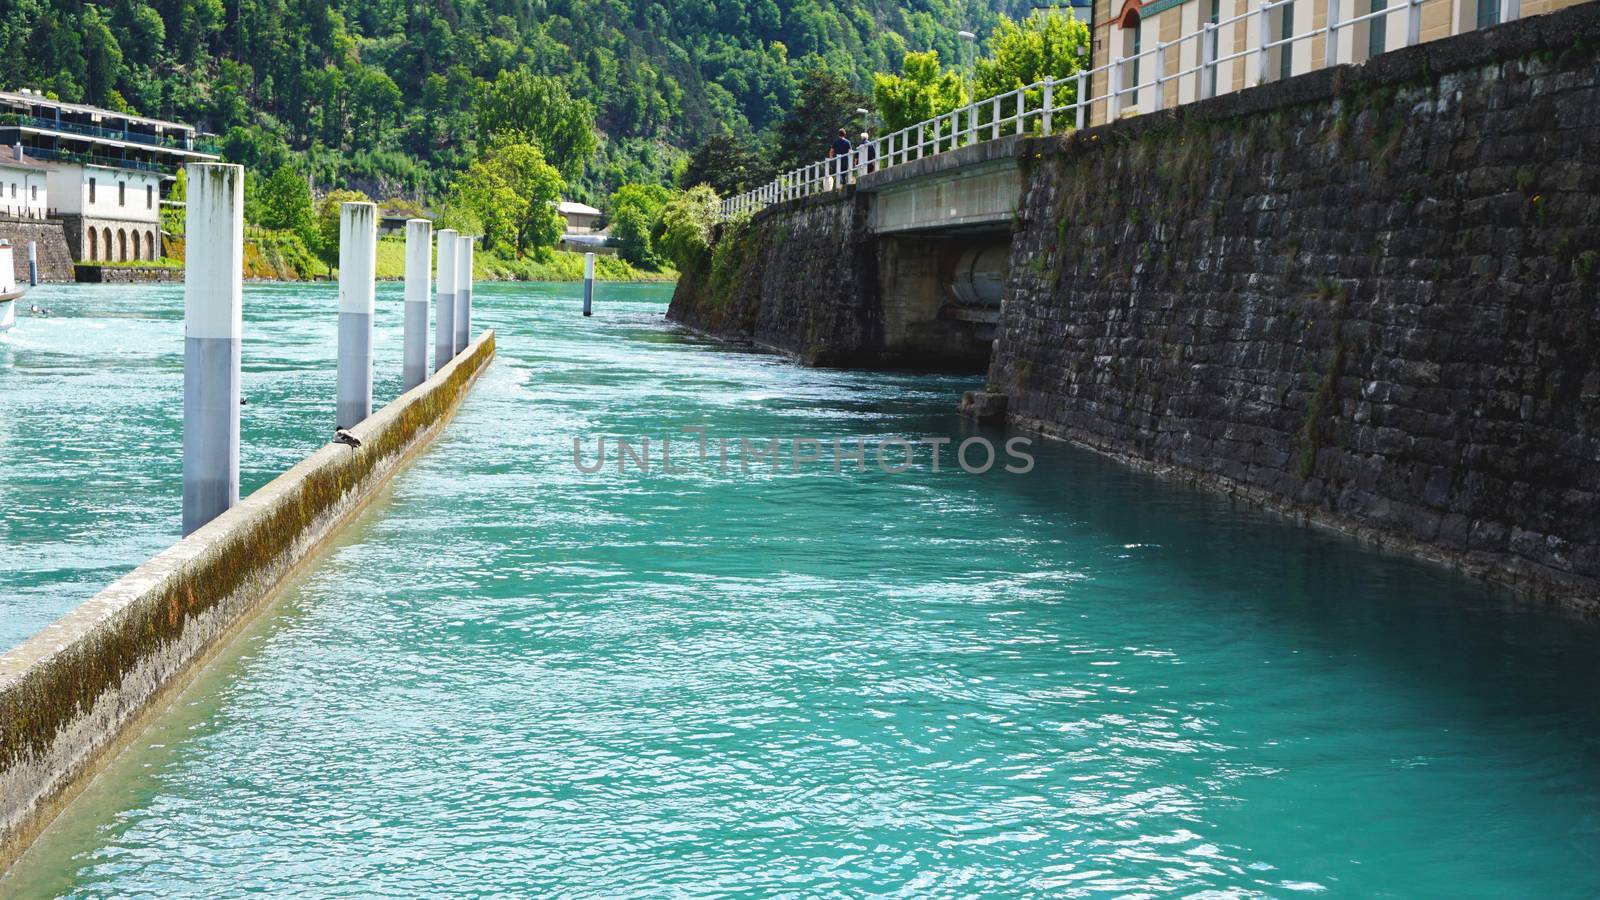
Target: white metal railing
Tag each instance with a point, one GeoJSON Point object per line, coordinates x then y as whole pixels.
{"type": "Point", "coordinates": [1052, 105]}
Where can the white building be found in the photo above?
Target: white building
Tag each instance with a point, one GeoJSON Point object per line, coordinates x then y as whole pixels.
{"type": "Point", "coordinates": [106, 170]}
{"type": "Point", "coordinates": [117, 211]}
{"type": "Point", "coordinates": [580, 216]}
{"type": "Point", "coordinates": [24, 188]}
{"type": "Point", "coordinates": [1144, 38]}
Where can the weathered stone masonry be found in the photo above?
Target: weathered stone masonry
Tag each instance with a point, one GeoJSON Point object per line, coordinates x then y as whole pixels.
{"type": "Point", "coordinates": [1369, 296]}
{"type": "Point", "coordinates": [55, 259]}
{"type": "Point", "coordinates": [794, 281]}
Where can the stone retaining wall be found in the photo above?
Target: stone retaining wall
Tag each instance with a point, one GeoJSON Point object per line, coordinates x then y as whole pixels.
{"type": "Point", "coordinates": [55, 258]}
{"type": "Point", "coordinates": [799, 278]}
{"type": "Point", "coordinates": [74, 693]}
{"type": "Point", "coordinates": [1369, 296]}
{"type": "Point", "coordinates": [93, 274]}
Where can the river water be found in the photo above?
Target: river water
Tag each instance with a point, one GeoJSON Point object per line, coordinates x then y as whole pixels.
{"type": "Point", "coordinates": [512, 677]}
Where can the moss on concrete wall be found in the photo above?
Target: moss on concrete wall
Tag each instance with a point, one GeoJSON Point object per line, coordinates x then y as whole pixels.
{"type": "Point", "coordinates": [67, 693]}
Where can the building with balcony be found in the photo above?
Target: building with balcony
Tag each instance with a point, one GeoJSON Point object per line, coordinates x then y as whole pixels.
{"type": "Point", "coordinates": [106, 172]}
{"type": "Point", "coordinates": [1163, 53]}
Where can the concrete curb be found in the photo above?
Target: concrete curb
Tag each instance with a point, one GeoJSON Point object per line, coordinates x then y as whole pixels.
{"type": "Point", "coordinates": [74, 694]}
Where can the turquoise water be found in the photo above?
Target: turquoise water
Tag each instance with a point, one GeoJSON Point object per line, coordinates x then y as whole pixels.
{"type": "Point", "coordinates": [91, 418]}
{"type": "Point", "coordinates": [512, 678]}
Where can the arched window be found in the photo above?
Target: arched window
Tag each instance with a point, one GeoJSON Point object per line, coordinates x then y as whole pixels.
{"type": "Point", "coordinates": [94, 245]}
{"type": "Point", "coordinates": [151, 246]}
{"type": "Point", "coordinates": [106, 248]}
{"type": "Point", "coordinates": [122, 245]}
{"type": "Point", "coordinates": [136, 246]}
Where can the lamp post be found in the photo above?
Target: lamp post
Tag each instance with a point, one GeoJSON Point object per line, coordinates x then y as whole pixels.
{"type": "Point", "coordinates": [971, 40]}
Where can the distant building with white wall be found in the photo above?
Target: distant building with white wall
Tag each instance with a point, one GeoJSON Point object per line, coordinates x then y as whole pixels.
{"type": "Point", "coordinates": [106, 171]}
{"type": "Point", "coordinates": [24, 186]}
{"type": "Point", "coordinates": [580, 216]}
{"type": "Point", "coordinates": [111, 214]}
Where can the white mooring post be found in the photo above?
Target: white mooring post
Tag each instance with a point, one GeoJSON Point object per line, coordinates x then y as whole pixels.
{"type": "Point", "coordinates": [419, 284]}
{"type": "Point", "coordinates": [33, 263]}
{"type": "Point", "coordinates": [588, 284]}
{"type": "Point", "coordinates": [213, 322]}
{"type": "Point", "coordinates": [463, 320]}
{"type": "Point", "coordinates": [444, 307]}
{"type": "Point", "coordinates": [358, 260]}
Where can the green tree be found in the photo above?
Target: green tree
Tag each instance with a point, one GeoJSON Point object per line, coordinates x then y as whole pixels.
{"type": "Point", "coordinates": [684, 229]}
{"type": "Point", "coordinates": [328, 224]}
{"type": "Point", "coordinates": [521, 107]}
{"type": "Point", "coordinates": [1025, 52]}
{"type": "Point", "coordinates": [284, 202]}
{"type": "Point", "coordinates": [634, 211]}
{"type": "Point", "coordinates": [924, 91]}
{"type": "Point", "coordinates": [510, 194]}
{"type": "Point", "coordinates": [173, 217]}
{"type": "Point", "coordinates": [102, 56]}
{"type": "Point", "coordinates": [728, 164]}
{"type": "Point", "coordinates": [827, 103]}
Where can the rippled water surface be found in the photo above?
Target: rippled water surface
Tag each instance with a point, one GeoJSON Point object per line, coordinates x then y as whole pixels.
{"type": "Point", "coordinates": [514, 678]}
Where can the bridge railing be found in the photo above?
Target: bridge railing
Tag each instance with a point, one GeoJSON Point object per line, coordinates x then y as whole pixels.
{"type": "Point", "coordinates": [1133, 85]}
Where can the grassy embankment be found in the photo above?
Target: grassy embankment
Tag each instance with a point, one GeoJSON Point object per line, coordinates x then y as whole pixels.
{"type": "Point", "coordinates": [282, 256]}
{"type": "Point", "coordinates": [560, 266]}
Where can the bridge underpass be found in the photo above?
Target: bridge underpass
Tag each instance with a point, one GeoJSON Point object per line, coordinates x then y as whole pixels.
{"type": "Point", "coordinates": [942, 227]}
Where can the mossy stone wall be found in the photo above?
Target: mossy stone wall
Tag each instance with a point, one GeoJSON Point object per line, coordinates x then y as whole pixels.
{"type": "Point", "coordinates": [1369, 296]}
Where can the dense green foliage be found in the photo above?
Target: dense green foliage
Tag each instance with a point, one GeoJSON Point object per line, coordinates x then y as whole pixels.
{"type": "Point", "coordinates": [284, 203]}
{"type": "Point", "coordinates": [388, 95]}
{"type": "Point", "coordinates": [683, 231]}
{"type": "Point", "coordinates": [1019, 53]}
{"type": "Point", "coordinates": [327, 241]}
{"type": "Point", "coordinates": [508, 196]}
{"type": "Point", "coordinates": [635, 210]}
{"type": "Point", "coordinates": [924, 90]}
{"type": "Point", "coordinates": [1023, 53]}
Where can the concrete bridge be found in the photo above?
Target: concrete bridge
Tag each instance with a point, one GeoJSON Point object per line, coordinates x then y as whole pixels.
{"type": "Point", "coordinates": [1365, 295]}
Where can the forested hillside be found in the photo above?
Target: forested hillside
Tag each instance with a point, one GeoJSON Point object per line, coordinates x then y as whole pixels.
{"type": "Point", "coordinates": [383, 94]}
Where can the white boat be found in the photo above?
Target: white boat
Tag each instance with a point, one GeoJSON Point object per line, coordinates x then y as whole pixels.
{"type": "Point", "coordinates": [9, 292]}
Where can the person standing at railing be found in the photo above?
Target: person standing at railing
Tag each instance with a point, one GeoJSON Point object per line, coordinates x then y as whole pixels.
{"type": "Point", "coordinates": [838, 154]}
{"type": "Point", "coordinates": [866, 154]}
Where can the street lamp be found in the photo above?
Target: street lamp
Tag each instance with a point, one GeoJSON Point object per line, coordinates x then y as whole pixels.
{"type": "Point", "coordinates": [971, 40]}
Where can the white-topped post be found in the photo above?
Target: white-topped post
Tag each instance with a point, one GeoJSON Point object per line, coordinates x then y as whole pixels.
{"type": "Point", "coordinates": [463, 321]}
{"type": "Point", "coordinates": [588, 284]}
{"type": "Point", "coordinates": [419, 284]}
{"type": "Point", "coordinates": [33, 263]}
{"type": "Point", "coordinates": [213, 323]}
{"type": "Point", "coordinates": [358, 263]}
{"type": "Point", "coordinates": [444, 307]}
